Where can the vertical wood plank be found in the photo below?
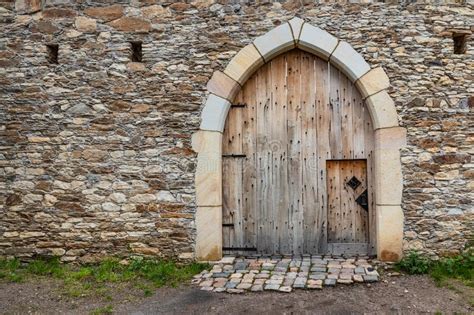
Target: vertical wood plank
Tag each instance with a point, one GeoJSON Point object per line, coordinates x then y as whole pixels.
{"type": "Point", "coordinates": [369, 146]}
{"type": "Point", "coordinates": [308, 220]}
{"type": "Point", "coordinates": [335, 99]}
{"type": "Point", "coordinates": [279, 155]}
{"type": "Point", "coordinates": [263, 159]}
{"type": "Point", "coordinates": [323, 114]}
{"type": "Point", "coordinates": [294, 165]}
{"type": "Point", "coordinates": [249, 198]}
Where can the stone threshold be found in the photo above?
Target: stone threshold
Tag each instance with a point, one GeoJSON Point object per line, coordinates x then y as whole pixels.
{"type": "Point", "coordinates": [285, 274]}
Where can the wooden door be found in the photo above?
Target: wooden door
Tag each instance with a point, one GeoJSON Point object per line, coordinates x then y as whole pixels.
{"type": "Point", "coordinates": [348, 207]}
{"type": "Point", "coordinates": [292, 116]}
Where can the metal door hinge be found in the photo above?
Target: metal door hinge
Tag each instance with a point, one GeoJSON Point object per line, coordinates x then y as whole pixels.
{"type": "Point", "coordinates": [363, 201]}
{"type": "Point", "coordinates": [250, 249]}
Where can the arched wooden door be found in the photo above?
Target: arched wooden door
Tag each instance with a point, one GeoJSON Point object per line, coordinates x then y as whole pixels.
{"type": "Point", "coordinates": [297, 162]}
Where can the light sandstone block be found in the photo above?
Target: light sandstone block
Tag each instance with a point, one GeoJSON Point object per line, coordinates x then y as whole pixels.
{"type": "Point", "coordinates": [275, 42]}
{"type": "Point", "coordinates": [209, 233]}
{"type": "Point", "coordinates": [296, 23]}
{"type": "Point", "coordinates": [208, 177]}
{"type": "Point", "coordinates": [222, 85]}
{"type": "Point", "coordinates": [389, 232]}
{"type": "Point", "coordinates": [244, 64]}
{"type": "Point", "coordinates": [382, 110]}
{"type": "Point", "coordinates": [317, 41]}
{"type": "Point", "coordinates": [214, 113]}
{"type": "Point", "coordinates": [349, 61]}
{"type": "Point", "coordinates": [373, 82]}
{"type": "Point", "coordinates": [389, 181]}
{"type": "Point", "coordinates": [390, 138]}
{"type": "Point", "coordinates": [204, 141]}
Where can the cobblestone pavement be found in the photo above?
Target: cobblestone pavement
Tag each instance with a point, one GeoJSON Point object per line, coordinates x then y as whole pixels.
{"type": "Point", "coordinates": [284, 274]}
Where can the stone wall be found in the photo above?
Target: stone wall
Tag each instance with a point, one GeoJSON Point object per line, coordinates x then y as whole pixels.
{"type": "Point", "coordinates": [95, 151]}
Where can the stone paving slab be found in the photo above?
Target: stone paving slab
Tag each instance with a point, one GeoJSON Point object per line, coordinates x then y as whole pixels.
{"type": "Point", "coordinates": [284, 274]}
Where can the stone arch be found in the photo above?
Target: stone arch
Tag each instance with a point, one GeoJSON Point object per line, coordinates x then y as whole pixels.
{"type": "Point", "coordinates": [372, 84]}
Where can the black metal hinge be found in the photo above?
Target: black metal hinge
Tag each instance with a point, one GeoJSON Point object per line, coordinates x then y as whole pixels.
{"type": "Point", "coordinates": [363, 201]}
{"type": "Point", "coordinates": [228, 224]}
{"type": "Point", "coordinates": [234, 155]}
{"type": "Point", "coordinates": [249, 249]}
{"type": "Point", "coordinates": [238, 105]}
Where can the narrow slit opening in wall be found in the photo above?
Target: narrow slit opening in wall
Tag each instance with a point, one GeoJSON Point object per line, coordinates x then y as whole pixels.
{"type": "Point", "coordinates": [460, 43]}
{"type": "Point", "coordinates": [53, 52]}
{"type": "Point", "coordinates": [136, 55]}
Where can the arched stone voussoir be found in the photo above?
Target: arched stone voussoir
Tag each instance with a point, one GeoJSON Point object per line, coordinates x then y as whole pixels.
{"type": "Point", "coordinates": [316, 41]}
{"type": "Point", "coordinates": [222, 85]}
{"type": "Point", "coordinates": [349, 61]}
{"type": "Point", "coordinates": [373, 82]}
{"type": "Point", "coordinates": [244, 64]}
{"type": "Point", "coordinates": [214, 114]}
{"type": "Point", "coordinates": [275, 42]}
{"type": "Point", "coordinates": [382, 110]}
{"type": "Point", "coordinates": [296, 25]}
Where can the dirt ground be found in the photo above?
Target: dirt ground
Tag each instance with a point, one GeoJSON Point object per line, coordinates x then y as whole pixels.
{"type": "Point", "coordinates": [396, 295]}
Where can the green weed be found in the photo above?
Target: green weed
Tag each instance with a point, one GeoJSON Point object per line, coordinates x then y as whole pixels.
{"type": "Point", "coordinates": [414, 264]}
{"type": "Point", "coordinates": [86, 280]}
{"type": "Point", "coordinates": [109, 309]}
{"type": "Point", "coordinates": [459, 267]}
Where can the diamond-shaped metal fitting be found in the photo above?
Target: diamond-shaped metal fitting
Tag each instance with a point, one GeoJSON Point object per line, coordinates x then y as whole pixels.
{"type": "Point", "coordinates": [363, 201]}
{"type": "Point", "coordinates": [354, 183]}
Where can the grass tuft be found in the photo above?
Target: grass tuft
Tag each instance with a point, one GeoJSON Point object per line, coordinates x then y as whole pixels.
{"type": "Point", "coordinates": [460, 267]}
{"type": "Point", "coordinates": [79, 281]}
{"type": "Point", "coordinates": [109, 309]}
{"type": "Point", "coordinates": [414, 264]}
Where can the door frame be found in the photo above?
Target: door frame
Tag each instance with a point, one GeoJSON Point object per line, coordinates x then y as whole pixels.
{"type": "Point", "coordinates": [372, 84]}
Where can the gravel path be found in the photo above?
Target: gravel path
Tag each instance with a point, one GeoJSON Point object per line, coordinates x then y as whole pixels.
{"type": "Point", "coordinates": [399, 295]}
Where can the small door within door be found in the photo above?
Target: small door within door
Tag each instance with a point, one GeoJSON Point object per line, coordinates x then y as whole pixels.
{"type": "Point", "coordinates": [348, 207]}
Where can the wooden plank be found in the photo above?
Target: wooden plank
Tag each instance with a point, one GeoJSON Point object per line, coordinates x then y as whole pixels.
{"type": "Point", "coordinates": [369, 146]}
{"type": "Point", "coordinates": [263, 179]}
{"type": "Point", "coordinates": [358, 125]}
{"type": "Point", "coordinates": [308, 219]}
{"type": "Point", "coordinates": [249, 180]}
{"type": "Point", "coordinates": [333, 201]}
{"type": "Point", "coordinates": [345, 221]}
{"type": "Point", "coordinates": [335, 120]}
{"type": "Point", "coordinates": [279, 154]}
{"type": "Point", "coordinates": [295, 85]}
{"type": "Point", "coordinates": [232, 205]}
{"type": "Point", "coordinates": [323, 113]}
{"type": "Point", "coordinates": [347, 141]}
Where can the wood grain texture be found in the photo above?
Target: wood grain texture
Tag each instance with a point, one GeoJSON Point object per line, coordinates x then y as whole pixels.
{"type": "Point", "coordinates": [301, 116]}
